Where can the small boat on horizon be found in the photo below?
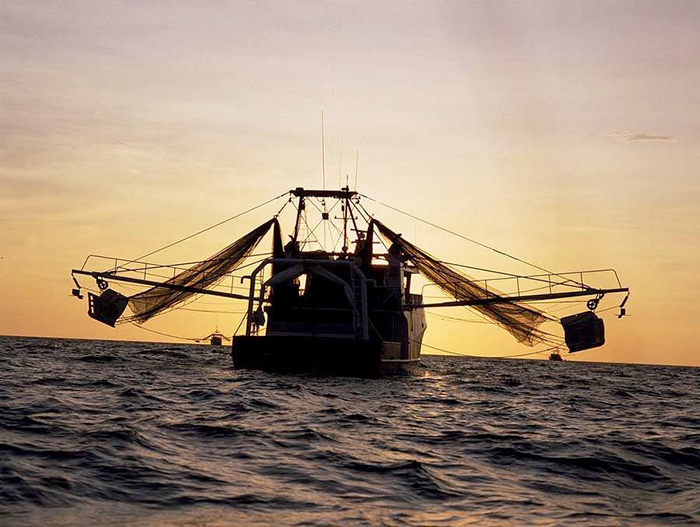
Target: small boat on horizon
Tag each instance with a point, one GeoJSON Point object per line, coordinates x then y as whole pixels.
{"type": "Point", "coordinates": [215, 338]}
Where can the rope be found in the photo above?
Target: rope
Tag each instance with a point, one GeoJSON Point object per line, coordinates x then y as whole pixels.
{"type": "Point", "coordinates": [529, 353]}
{"type": "Point", "coordinates": [447, 317]}
{"type": "Point", "coordinates": [565, 279]}
{"type": "Point", "coordinates": [447, 351]}
{"type": "Point", "coordinates": [240, 323]}
{"type": "Point", "coordinates": [487, 356]}
{"type": "Point", "coordinates": [161, 333]}
{"type": "Point", "coordinates": [471, 240]}
{"type": "Point", "coordinates": [207, 229]}
{"type": "Point", "coordinates": [368, 217]}
{"type": "Point", "coordinates": [471, 356]}
{"type": "Point", "coordinates": [218, 311]}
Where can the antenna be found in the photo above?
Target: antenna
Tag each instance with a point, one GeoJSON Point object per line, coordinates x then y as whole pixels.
{"type": "Point", "coordinates": [323, 164]}
{"type": "Point", "coordinates": [323, 152]}
{"type": "Point", "coordinates": [357, 161]}
{"type": "Point", "coordinates": [340, 169]}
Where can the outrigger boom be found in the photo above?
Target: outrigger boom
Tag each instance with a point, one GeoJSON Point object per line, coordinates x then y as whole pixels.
{"type": "Point", "coordinates": [110, 275]}
{"type": "Point", "coordinates": [525, 298]}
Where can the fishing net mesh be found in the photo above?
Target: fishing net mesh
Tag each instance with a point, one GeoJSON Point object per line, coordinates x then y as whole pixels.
{"type": "Point", "coordinates": [520, 321]}
{"type": "Point", "coordinates": [155, 300]}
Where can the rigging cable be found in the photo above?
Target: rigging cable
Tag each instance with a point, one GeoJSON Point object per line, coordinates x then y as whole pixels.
{"type": "Point", "coordinates": [208, 228]}
{"type": "Point", "coordinates": [529, 353]}
{"type": "Point", "coordinates": [549, 337]}
{"type": "Point", "coordinates": [472, 356]}
{"type": "Point", "coordinates": [161, 333]}
{"type": "Point", "coordinates": [546, 337]}
{"type": "Point", "coordinates": [488, 356]}
{"type": "Point", "coordinates": [175, 266]}
{"type": "Point", "coordinates": [367, 217]}
{"type": "Point", "coordinates": [218, 311]}
{"type": "Point", "coordinates": [466, 238]}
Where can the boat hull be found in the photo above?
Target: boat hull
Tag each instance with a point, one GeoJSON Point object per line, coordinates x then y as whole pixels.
{"type": "Point", "coordinates": [317, 355]}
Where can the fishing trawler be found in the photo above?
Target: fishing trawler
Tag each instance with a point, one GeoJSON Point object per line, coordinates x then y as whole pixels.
{"type": "Point", "coordinates": [352, 308]}
{"type": "Point", "coordinates": [216, 338]}
{"type": "Point", "coordinates": [556, 356]}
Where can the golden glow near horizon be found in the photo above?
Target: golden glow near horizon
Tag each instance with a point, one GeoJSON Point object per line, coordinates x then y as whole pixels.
{"type": "Point", "coordinates": [564, 133]}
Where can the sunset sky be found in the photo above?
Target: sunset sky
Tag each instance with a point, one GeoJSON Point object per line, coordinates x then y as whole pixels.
{"type": "Point", "coordinates": [566, 133]}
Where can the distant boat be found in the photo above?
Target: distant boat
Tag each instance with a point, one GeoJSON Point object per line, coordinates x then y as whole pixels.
{"type": "Point", "coordinates": [215, 338]}
{"type": "Point", "coordinates": [350, 309]}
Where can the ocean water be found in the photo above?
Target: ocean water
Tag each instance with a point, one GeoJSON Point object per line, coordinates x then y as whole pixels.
{"type": "Point", "coordinates": [115, 433]}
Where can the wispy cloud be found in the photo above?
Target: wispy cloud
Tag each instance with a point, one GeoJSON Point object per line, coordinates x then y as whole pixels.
{"type": "Point", "coordinates": [635, 137]}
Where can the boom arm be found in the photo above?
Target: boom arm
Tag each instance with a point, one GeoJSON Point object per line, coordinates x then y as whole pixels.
{"type": "Point", "coordinates": [174, 287]}
{"type": "Point", "coordinates": [522, 298]}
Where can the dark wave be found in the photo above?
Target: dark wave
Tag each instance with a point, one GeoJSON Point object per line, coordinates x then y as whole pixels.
{"type": "Point", "coordinates": [98, 359]}
{"type": "Point", "coordinates": [110, 433]}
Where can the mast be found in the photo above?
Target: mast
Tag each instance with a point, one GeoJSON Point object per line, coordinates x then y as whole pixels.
{"type": "Point", "coordinates": [297, 224]}
{"type": "Point", "coordinates": [346, 207]}
{"type": "Point", "coordinates": [344, 194]}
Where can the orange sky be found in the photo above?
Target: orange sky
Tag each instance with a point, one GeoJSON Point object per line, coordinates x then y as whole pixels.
{"type": "Point", "coordinates": [566, 133]}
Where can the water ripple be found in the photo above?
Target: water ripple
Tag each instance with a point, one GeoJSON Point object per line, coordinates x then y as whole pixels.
{"type": "Point", "coordinates": [125, 433]}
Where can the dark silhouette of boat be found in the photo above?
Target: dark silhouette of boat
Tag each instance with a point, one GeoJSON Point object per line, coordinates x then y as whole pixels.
{"type": "Point", "coordinates": [216, 338]}
{"type": "Point", "coordinates": [350, 310]}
